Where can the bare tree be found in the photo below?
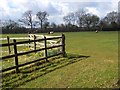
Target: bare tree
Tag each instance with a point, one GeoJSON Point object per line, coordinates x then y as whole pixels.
{"type": "Point", "coordinates": [79, 16]}
{"type": "Point", "coordinates": [46, 25]}
{"type": "Point", "coordinates": [53, 25]}
{"type": "Point", "coordinates": [102, 24]}
{"type": "Point", "coordinates": [70, 18]}
{"type": "Point", "coordinates": [90, 20]}
{"type": "Point", "coordinates": [111, 20]}
{"type": "Point", "coordinates": [111, 17]}
{"type": "Point", "coordinates": [42, 16]}
{"type": "Point", "coordinates": [67, 19]}
{"type": "Point", "coordinates": [95, 20]}
{"type": "Point", "coordinates": [10, 24]}
{"type": "Point", "coordinates": [27, 19]}
{"type": "Point", "coordinates": [82, 19]}
{"type": "Point", "coordinates": [87, 20]}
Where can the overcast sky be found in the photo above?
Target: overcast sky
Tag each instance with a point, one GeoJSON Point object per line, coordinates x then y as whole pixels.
{"type": "Point", "coordinates": [13, 9]}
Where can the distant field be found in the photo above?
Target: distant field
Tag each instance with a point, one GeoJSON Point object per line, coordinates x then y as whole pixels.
{"type": "Point", "coordinates": [92, 62]}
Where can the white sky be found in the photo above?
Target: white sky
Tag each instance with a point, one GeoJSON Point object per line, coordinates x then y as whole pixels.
{"type": "Point", "coordinates": [13, 9]}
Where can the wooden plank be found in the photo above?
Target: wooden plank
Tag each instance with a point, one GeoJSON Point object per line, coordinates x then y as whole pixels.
{"type": "Point", "coordinates": [23, 45]}
{"type": "Point", "coordinates": [42, 36]}
{"type": "Point", "coordinates": [7, 69]}
{"type": "Point", "coordinates": [45, 49]}
{"type": "Point", "coordinates": [24, 53]}
{"type": "Point", "coordinates": [21, 42]}
{"type": "Point", "coordinates": [54, 46]}
{"type": "Point", "coordinates": [20, 38]}
{"type": "Point", "coordinates": [3, 39]}
{"type": "Point", "coordinates": [5, 57]}
{"type": "Point", "coordinates": [6, 44]}
{"type": "Point", "coordinates": [53, 38]}
{"type": "Point", "coordinates": [34, 43]}
{"type": "Point", "coordinates": [16, 56]}
{"type": "Point", "coordinates": [63, 45]}
{"type": "Point", "coordinates": [8, 40]}
{"type": "Point", "coordinates": [31, 62]}
{"type": "Point", "coordinates": [20, 65]}
{"type": "Point", "coordinates": [38, 60]}
{"type": "Point", "coordinates": [29, 42]}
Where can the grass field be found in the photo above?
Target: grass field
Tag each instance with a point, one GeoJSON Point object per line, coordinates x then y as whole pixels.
{"type": "Point", "coordinates": [91, 62]}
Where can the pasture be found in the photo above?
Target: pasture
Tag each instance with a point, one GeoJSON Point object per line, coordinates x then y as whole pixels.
{"type": "Point", "coordinates": [91, 62]}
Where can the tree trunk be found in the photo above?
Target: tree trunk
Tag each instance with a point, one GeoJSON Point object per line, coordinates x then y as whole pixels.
{"type": "Point", "coordinates": [41, 24]}
{"type": "Point", "coordinates": [31, 27]}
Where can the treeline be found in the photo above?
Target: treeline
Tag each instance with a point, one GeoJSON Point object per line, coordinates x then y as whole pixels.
{"type": "Point", "coordinates": [73, 22]}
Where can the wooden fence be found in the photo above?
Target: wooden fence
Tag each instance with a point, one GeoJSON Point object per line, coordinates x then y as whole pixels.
{"type": "Point", "coordinates": [16, 54]}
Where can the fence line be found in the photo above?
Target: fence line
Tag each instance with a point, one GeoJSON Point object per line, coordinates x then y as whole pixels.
{"type": "Point", "coordinates": [32, 37]}
{"type": "Point", "coordinates": [16, 54]}
{"type": "Point", "coordinates": [14, 38]}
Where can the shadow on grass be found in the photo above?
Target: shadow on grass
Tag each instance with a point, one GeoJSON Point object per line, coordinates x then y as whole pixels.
{"type": "Point", "coordinates": [32, 72]}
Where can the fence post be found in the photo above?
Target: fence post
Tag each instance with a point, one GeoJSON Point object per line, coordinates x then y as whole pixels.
{"type": "Point", "coordinates": [34, 43]}
{"type": "Point", "coordinates": [46, 49]}
{"type": "Point", "coordinates": [8, 39]}
{"type": "Point", "coordinates": [63, 45]}
{"type": "Point", "coordinates": [16, 57]}
{"type": "Point", "coordinates": [29, 42]}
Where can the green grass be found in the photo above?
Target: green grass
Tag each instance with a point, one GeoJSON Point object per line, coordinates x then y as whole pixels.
{"type": "Point", "coordinates": [92, 62]}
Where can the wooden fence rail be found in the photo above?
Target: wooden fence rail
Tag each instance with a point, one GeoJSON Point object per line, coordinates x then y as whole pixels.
{"type": "Point", "coordinates": [16, 54]}
{"type": "Point", "coordinates": [28, 40]}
